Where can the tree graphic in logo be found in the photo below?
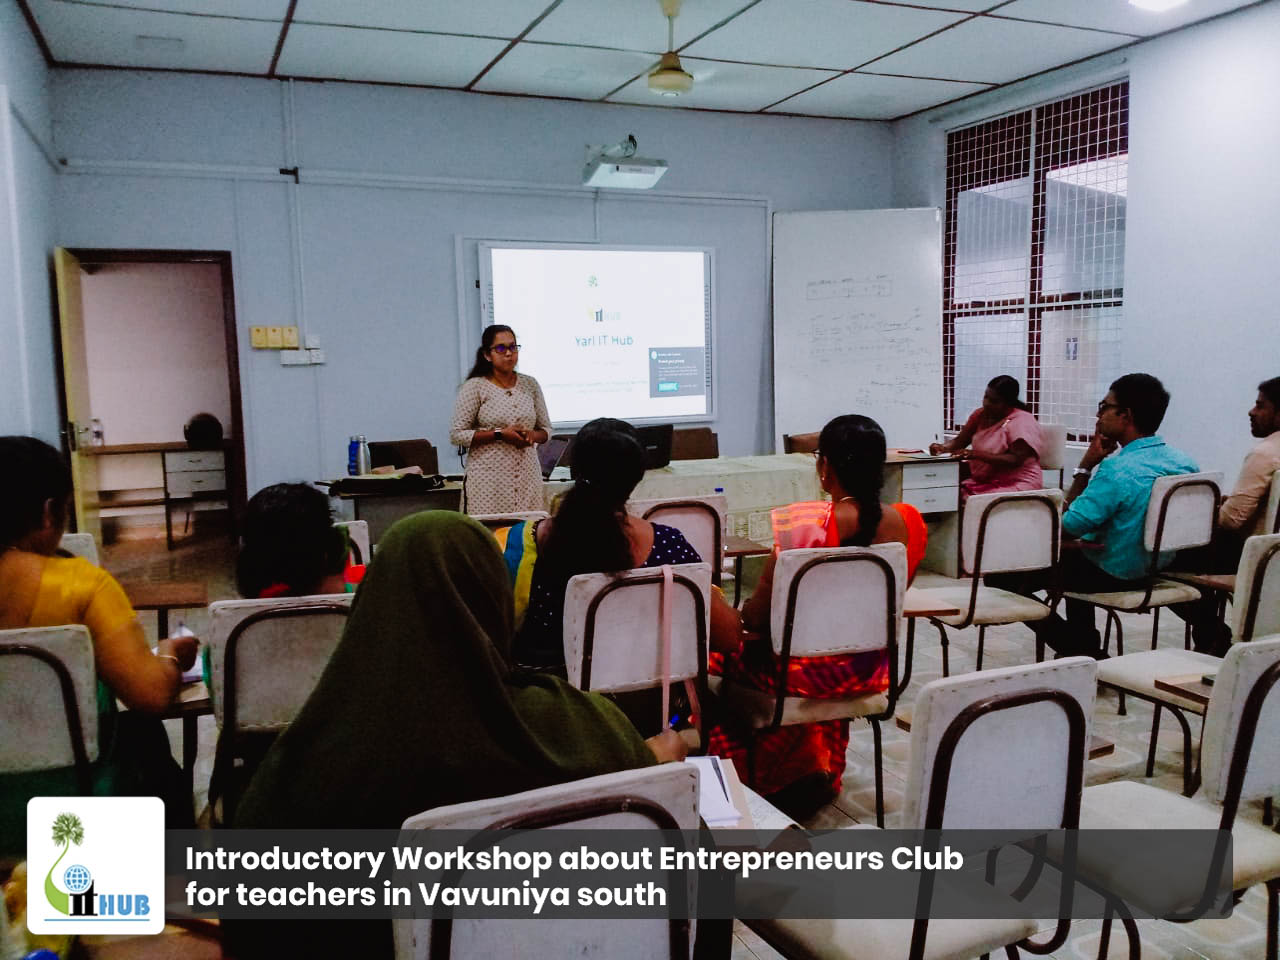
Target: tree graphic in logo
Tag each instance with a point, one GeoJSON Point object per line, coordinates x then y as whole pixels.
{"type": "Point", "coordinates": [67, 829]}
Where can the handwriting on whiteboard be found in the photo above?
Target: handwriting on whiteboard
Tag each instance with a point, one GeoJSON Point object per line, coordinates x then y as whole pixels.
{"type": "Point", "coordinates": [849, 287]}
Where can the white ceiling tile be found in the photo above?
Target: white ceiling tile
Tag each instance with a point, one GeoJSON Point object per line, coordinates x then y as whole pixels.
{"type": "Point", "coordinates": [1118, 14]}
{"type": "Point", "coordinates": [864, 96]}
{"type": "Point", "coordinates": [553, 70]}
{"type": "Point", "coordinates": [244, 9]}
{"type": "Point", "coordinates": [726, 86]}
{"type": "Point", "coordinates": [835, 34]}
{"type": "Point", "coordinates": [79, 33]}
{"type": "Point", "coordinates": [629, 24]}
{"type": "Point", "coordinates": [987, 50]}
{"type": "Point", "coordinates": [490, 18]}
{"type": "Point", "coordinates": [390, 56]}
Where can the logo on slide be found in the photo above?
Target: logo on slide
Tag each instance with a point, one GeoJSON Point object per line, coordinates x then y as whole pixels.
{"type": "Point", "coordinates": [592, 281]}
{"type": "Point", "coordinates": [72, 899]}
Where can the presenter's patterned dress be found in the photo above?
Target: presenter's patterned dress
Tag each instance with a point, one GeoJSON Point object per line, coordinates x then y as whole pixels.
{"type": "Point", "coordinates": [501, 478]}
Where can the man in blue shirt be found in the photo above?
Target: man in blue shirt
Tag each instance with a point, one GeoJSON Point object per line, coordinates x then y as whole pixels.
{"type": "Point", "coordinates": [1109, 508]}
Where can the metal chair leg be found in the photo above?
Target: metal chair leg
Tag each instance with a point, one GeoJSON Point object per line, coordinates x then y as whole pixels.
{"type": "Point", "coordinates": [910, 656]}
{"type": "Point", "coordinates": [1155, 627]}
{"type": "Point", "coordinates": [879, 760]}
{"type": "Point", "coordinates": [1190, 781]}
{"type": "Point", "coordinates": [1104, 937]}
{"type": "Point", "coordinates": [946, 656]}
{"type": "Point", "coordinates": [1151, 750]}
{"type": "Point", "coordinates": [982, 634]}
{"type": "Point", "coordinates": [1121, 708]}
{"type": "Point", "coordinates": [1267, 814]}
{"type": "Point", "coordinates": [1273, 915]}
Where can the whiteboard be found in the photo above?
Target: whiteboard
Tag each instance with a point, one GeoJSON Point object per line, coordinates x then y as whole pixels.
{"type": "Point", "coordinates": [857, 321]}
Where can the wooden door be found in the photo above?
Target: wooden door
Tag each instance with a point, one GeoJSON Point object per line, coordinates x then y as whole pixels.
{"type": "Point", "coordinates": [77, 431]}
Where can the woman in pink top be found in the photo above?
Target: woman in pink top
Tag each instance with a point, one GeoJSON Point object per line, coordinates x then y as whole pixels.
{"type": "Point", "coordinates": [1006, 443]}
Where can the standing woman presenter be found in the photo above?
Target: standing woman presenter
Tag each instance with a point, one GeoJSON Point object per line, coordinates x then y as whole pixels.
{"type": "Point", "coordinates": [499, 416]}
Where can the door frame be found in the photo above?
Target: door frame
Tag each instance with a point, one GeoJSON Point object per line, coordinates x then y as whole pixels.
{"type": "Point", "coordinates": [237, 484]}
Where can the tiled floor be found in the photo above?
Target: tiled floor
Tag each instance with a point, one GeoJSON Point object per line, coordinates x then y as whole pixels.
{"type": "Point", "coordinates": [1240, 936]}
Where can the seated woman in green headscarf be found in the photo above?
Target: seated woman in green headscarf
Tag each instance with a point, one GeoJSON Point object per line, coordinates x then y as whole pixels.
{"type": "Point", "coordinates": [419, 708]}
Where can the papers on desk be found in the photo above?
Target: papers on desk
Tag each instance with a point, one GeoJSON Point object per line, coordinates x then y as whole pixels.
{"type": "Point", "coordinates": [715, 803]}
{"type": "Point", "coordinates": [196, 673]}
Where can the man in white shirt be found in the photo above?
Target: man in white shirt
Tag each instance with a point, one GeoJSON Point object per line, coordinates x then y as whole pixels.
{"type": "Point", "coordinates": [1240, 516]}
{"type": "Point", "coordinates": [1242, 512]}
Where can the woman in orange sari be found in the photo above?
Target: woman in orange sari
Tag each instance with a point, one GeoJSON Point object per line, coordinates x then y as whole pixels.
{"type": "Point", "coordinates": [850, 462]}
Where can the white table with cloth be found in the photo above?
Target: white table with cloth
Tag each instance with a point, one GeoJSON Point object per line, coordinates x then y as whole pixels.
{"type": "Point", "coordinates": [752, 486]}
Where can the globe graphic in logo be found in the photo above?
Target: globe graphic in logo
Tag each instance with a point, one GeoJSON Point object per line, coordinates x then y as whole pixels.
{"type": "Point", "coordinates": [77, 878]}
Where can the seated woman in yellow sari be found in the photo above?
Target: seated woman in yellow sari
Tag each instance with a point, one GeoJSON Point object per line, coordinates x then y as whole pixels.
{"type": "Point", "coordinates": [40, 589]}
{"type": "Point", "coordinates": [850, 461]}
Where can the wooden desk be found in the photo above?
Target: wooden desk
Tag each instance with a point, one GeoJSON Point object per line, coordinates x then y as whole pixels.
{"type": "Point", "coordinates": [163, 596]}
{"type": "Point", "coordinates": [381, 510]}
{"type": "Point", "coordinates": [917, 603]}
{"type": "Point", "coordinates": [187, 476]}
{"type": "Point", "coordinates": [1190, 686]}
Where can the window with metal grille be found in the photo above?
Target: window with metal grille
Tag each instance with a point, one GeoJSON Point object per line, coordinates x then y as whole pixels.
{"type": "Point", "coordinates": [1033, 264]}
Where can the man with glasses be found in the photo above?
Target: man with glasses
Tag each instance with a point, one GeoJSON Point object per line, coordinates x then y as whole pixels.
{"type": "Point", "coordinates": [1108, 507]}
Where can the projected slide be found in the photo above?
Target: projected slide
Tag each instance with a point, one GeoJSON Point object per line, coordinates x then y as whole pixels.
{"type": "Point", "coordinates": [608, 332]}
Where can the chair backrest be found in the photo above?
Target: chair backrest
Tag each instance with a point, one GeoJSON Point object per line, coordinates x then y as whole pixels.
{"type": "Point", "coordinates": [265, 656]}
{"type": "Point", "coordinates": [830, 600]}
{"type": "Point", "coordinates": [695, 443]}
{"type": "Point", "coordinates": [1255, 611]}
{"type": "Point", "coordinates": [48, 700]}
{"type": "Point", "coordinates": [81, 545]}
{"type": "Point", "coordinates": [495, 520]}
{"type": "Point", "coordinates": [1018, 765]}
{"type": "Point", "coordinates": [1005, 532]}
{"type": "Point", "coordinates": [1053, 446]}
{"type": "Point", "coordinates": [1271, 516]}
{"type": "Point", "coordinates": [645, 799]}
{"type": "Point", "coordinates": [1249, 670]}
{"type": "Point", "coordinates": [612, 632]}
{"type": "Point", "coordinates": [358, 537]}
{"type": "Point", "coordinates": [702, 520]}
{"type": "Point", "coordinates": [800, 442]}
{"type": "Point", "coordinates": [1182, 511]}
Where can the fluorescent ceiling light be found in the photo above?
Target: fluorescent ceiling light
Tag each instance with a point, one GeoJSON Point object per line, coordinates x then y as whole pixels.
{"type": "Point", "coordinates": [1157, 6]}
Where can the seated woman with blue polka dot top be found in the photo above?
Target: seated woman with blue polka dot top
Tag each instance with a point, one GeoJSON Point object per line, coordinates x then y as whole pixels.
{"type": "Point", "coordinates": [590, 533]}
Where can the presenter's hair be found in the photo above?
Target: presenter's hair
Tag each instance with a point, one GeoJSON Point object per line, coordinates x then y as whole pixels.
{"type": "Point", "coordinates": [1006, 388]}
{"type": "Point", "coordinates": [289, 540]}
{"type": "Point", "coordinates": [483, 366]}
{"type": "Point", "coordinates": [854, 447]}
{"type": "Point", "coordinates": [34, 474]}
{"type": "Point", "coordinates": [1271, 390]}
{"type": "Point", "coordinates": [1145, 398]}
{"type": "Point", "coordinates": [588, 535]}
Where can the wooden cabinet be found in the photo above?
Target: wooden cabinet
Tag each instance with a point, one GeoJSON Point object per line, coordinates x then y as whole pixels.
{"type": "Point", "coordinates": [189, 476]}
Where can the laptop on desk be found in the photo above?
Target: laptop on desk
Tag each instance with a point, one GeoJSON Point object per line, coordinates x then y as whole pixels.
{"type": "Point", "coordinates": [549, 456]}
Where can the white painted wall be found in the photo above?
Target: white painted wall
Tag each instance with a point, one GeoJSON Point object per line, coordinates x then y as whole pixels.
{"type": "Point", "coordinates": [28, 384]}
{"type": "Point", "coordinates": [1203, 205]}
{"type": "Point", "coordinates": [369, 263]}
{"type": "Point", "coordinates": [157, 353]}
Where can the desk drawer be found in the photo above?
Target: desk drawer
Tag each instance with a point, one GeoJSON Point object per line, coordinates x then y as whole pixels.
{"type": "Point", "coordinates": [196, 481]}
{"type": "Point", "coordinates": [933, 499]}
{"type": "Point", "coordinates": [183, 460]}
{"type": "Point", "coordinates": [916, 476]}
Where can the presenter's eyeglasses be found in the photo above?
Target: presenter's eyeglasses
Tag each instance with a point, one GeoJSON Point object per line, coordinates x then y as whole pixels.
{"type": "Point", "coordinates": [1103, 407]}
{"type": "Point", "coordinates": [502, 349]}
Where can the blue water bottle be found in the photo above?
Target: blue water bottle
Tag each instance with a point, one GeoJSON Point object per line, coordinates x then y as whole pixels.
{"type": "Point", "coordinates": [353, 456]}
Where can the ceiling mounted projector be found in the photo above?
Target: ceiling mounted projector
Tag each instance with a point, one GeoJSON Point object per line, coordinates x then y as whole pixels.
{"type": "Point", "coordinates": [617, 166]}
{"type": "Point", "coordinates": [669, 78]}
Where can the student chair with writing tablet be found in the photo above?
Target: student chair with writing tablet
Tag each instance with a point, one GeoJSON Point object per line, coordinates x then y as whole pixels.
{"type": "Point", "coordinates": [661, 798]}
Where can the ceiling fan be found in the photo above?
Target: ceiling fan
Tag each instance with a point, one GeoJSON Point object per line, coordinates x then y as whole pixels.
{"type": "Point", "coordinates": [669, 78]}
